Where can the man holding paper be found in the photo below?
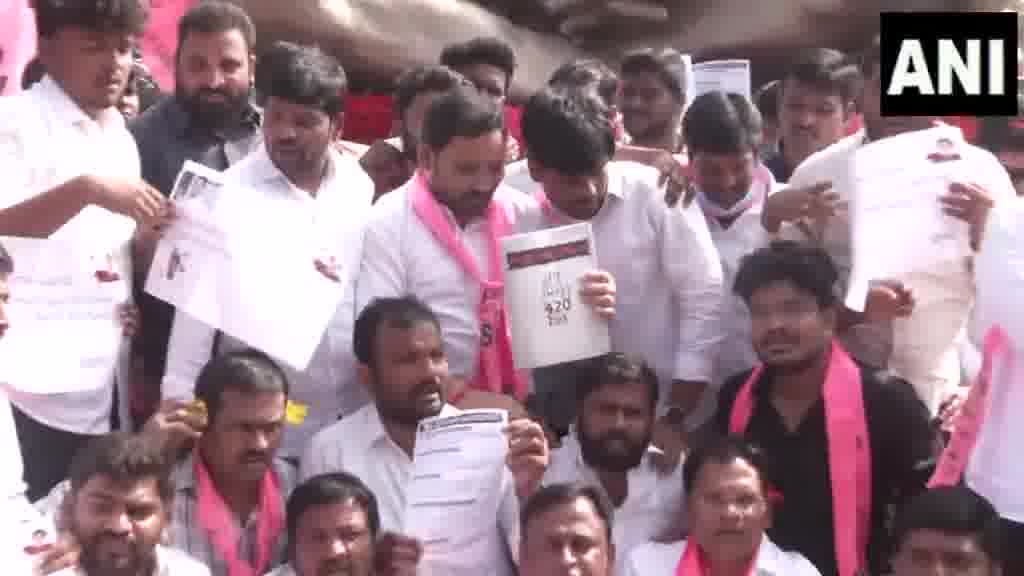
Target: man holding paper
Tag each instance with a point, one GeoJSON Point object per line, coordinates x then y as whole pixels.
{"type": "Point", "coordinates": [923, 311]}
{"type": "Point", "coordinates": [296, 183]}
{"type": "Point", "coordinates": [402, 361]}
{"type": "Point", "coordinates": [662, 256]}
{"type": "Point", "coordinates": [437, 238]}
{"type": "Point", "coordinates": [72, 174]}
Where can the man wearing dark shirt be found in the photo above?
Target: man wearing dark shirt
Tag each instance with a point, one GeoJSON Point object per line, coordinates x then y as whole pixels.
{"type": "Point", "coordinates": [815, 104]}
{"type": "Point", "coordinates": [789, 289]}
{"type": "Point", "coordinates": [209, 120]}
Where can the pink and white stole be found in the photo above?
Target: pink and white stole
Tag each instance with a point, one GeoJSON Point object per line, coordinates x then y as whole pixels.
{"type": "Point", "coordinates": [222, 525]}
{"type": "Point", "coordinates": [849, 454]}
{"type": "Point", "coordinates": [496, 371]}
{"type": "Point", "coordinates": [957, 454]}
{"type": "Point", "coordinates": [695, 563]}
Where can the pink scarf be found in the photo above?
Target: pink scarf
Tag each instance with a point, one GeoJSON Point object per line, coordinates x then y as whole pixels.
{"type": "Point", "coordinates": [222, 525]}
{"type": "Point", "coordinates": [849, 457]}
{"type": "Point", "coordinates": [695, 563]}
{"type": "Point", "coordinates": [497, 371]}
{"type": "Point", "coordinates": [972, 416]}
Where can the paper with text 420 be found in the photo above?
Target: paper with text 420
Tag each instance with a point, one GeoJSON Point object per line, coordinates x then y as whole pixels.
{"type": "Point", "coordinates": [896, 220]}
{"type": "Point", "coordinates": [64, 335]}
{"type": "Point", "coordinates": [261, 281]}
{"type": "Point", "coordinates": [548, 322]}
{"type": "Point", "coordinates": [456, 489]}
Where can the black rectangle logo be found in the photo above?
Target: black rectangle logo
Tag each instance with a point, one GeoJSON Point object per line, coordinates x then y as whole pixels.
{"type": "Point", "coordinates": [948, 63]}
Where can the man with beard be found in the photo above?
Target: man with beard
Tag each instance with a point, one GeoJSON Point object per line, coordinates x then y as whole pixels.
{"type": "Point", "coordinates": [118, 507]}
{"type": "Point", "coordinates": [209, 120]}
{"type": "Point", "coordinates": [403, 364]}
{"type": "Point", "coordinates": [654, 84]}
{"type": "Point", "coordinates": [848, 442]}
{"type": "Point", "coordinates": [296, 182]}
{"type": "Point", "coordinates": [333, 524]}
{"type": "Point", "coordinates": [610, 446]}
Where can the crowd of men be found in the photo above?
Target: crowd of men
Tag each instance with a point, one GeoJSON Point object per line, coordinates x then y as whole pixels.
{"type": "Point", "coordinates": [746, 422]}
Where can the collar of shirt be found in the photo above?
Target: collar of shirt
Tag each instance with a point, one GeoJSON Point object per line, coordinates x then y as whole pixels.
{"type": "Point", "coordinates": [263, 169]}
{"type": "Point", "coordinates": [571, 443]}
{"type": "Point", "coordinates": [615, 189]}
{"type": "Point", "coordinates": [181, 122]}
{"type": "Point", "coordinates": [67, 111]}
{"type": "Point", "coordinates": [184, 478]}
{"type": "Point", "coordinates": [374, 427]}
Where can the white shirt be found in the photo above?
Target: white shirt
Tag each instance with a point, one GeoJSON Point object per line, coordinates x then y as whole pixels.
{"type": "Point", "coordinates": [361, 446]}
{"type": "Point", "coordinates": [45, 141]}
{"type": "Point", "coordinates": [402, 257]}
{"type": "Point", "coordinates": [743, 236]}
{"type": "Point", "coordinates": [926, 344]}
{"type": "Point", "coordinates": [517, 175]}
{"type": "Point", "coordinates": [327, 386]}
{"type": "Point", "coordinates": [654, 501]}
{"type": "Point", "coordinates": [169, 562]}
{"type": "Point", "coordinates": [283, 570]}
{"type": "Point", "coordinates": [662, 559]}
{"type": "Point", "coordinates": [667, 274]}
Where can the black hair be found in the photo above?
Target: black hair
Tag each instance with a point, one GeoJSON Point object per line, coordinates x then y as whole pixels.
{"type": "Point", "coordinates": [568, 131]}
{"type": "Point", "coordinates": [827, 70]}
{"type": "Point", "coordinates": [424, 79]}
{"type": "Point", "coordinates": [248, 371]}
{"type": "Point", "coordinates": [583, 73]}
{"type": "Point", "coordinates": [721, 123]}
{"type": "Point", "coordinates": [554, 495]}
{"type": "Point", "coordinates": [328, 489]}
{"type": "Point", "coordinates": [114, 15]}
{"type": "Point", "coordinates": [871, 57]}
{"type": "Point", "coordinates": [767, 100]}
{"type": "Point", "coordinates": [460, 113]}
{"type": "Point", "coordinates": [667, 64]}
{"type": "Point", "coordinates": [403, 313]}
{"type": "Point", "coordinates": [214, 17]}
{"type": "Point", "coordinates": [616, 369]}
{"type": "Point", "coordinates": [122, 457]}
{"type": "Point", "coordinates": [955, 510]}
{"type": "Point", "coordinates": [302, 75]}
{"type": "Point", "coordinates": [6, 262]}
{"type": "Point", "coordinates": [489, 51]}
{"type": "Point", "coordinates": [33, 72]}
{"type": "Point", "coordinates": [720, 449]}
{"type": "Point", "coordinates": [808, 267]}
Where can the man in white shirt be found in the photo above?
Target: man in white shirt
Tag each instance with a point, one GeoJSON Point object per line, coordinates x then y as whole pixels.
{"type": "Point", "coordinates": [727, 510]}
{"type": "Point", "coordinates": [333, 523]}
{"type": "Point", "coordinates": [438, 238]}
{"type": "Point", "coordinates": [610, 447]}
{"type": "Point", "coordinates": [567, 531]}
{"type": "Point", "coordinates": [403, 363]}
{"type": "Point", "coordinates": [722, 134]}
{"type": "Point", "coordinates": [662, 257]}
{"type": "Point", "coordinates": [72, 171]}
{"type": "Point", "coordinates": [118, 507]}
{"type": "Point", "coordinates": [925, 313]}
{"type": "Point", "coordinates": [297, 179]}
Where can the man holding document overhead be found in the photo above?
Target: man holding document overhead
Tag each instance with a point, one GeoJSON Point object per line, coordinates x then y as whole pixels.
{"type": "Point", "coordinates": [662, 256]}
{"type": "Point", "coordinates": [437, 238]}
{"type": "Point", "coordinates": [920, 299]}
{"type": "Point", "coordinates": [298, 200]}
{"type": "Point", "coordinates": [469, 526]}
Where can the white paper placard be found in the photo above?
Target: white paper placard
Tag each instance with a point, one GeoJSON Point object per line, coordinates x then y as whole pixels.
{"type": "Point", "coordinates": [722, 75]}
{"type": "Point", "coordinates": [549, 323]}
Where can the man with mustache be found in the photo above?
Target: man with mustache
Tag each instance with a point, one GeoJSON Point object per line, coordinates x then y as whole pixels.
{"type": "Point", "coordinates": [296, 182]}
{"type": "Point", "coordinates": [653, 98]}
{"type": "Point", "coordinates": [210, 120]}
{"type": "Point", "coordinates": [849, 442]}
{"type": "Point", "coordinates": [567, 531]}
{"type": "Point", "coordinates": [610, 446]}
{"type": "Point", "coordinates": [403, 364]}
{"type": "Point", "coordinates": [333, 524]}
{"type": "Point", "coordinates": [118, 507]}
